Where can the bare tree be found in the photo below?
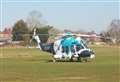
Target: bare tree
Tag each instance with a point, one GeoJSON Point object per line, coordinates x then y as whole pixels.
{"type": "Point", "coordinates": [35, 19]}
{"type": "Point", "coordinates": [113, 32]}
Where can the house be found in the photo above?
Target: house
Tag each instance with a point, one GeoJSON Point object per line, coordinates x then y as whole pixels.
{"type": "Point", "coordinates": [6, 33]}
{"type": "Point", "coordinates": [6, 36]}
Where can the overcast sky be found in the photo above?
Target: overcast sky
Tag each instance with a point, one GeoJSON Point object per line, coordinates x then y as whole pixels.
{"type": "Point", "coordinates": [67, 14]}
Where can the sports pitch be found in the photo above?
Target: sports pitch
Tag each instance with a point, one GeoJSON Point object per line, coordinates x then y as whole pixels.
{"type": "Point", "coordinates": [32, 65]}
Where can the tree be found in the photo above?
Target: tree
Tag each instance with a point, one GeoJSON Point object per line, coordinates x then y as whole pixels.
{"type": "Point", "coordinates": [54, 34]}
{"type": "Point", "coordinates": [113, 32]}
{"type": "Point", "coordinates": [19, 30]}
{"type": "Point", "coordinates": [35, 19]}
{"type": "Point", "coordinates": [54, 31]}
{"type": "Point", "coordinates": [91, 32]}
{"type": "Point", "coordinates": [43, 33]}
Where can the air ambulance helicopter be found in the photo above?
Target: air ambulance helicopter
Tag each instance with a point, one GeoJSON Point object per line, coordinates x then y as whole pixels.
{"type": "Point", "coordinates": [68, 47]}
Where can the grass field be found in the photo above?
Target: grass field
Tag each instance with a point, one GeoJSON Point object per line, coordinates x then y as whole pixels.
{"type": "Point", "coordinates": [32, 65]}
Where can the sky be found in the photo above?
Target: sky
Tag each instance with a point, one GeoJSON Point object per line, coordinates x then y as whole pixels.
{"type": "Point", "coordinates": [85, 15]}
